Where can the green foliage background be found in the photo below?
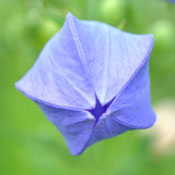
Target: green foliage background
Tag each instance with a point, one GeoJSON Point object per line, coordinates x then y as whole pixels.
{"type": "Point", "coordinates": [29, 144]}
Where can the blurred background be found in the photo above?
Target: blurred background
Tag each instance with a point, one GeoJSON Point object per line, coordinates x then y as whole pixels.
{"type": "Point", "coordinates": [30, 144]}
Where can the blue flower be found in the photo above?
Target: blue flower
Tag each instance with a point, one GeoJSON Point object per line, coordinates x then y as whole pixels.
{"type": "Point", "coordinates": [91, 81]}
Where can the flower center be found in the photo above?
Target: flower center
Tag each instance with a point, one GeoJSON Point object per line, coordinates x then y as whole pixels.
{"type": "Point", "coordinates": [99, 110]}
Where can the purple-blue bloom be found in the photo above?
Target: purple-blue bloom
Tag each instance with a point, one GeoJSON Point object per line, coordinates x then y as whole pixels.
{"type": "Point", "coordinates": [91, 81]}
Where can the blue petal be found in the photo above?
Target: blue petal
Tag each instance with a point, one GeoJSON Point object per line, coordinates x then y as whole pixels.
{"type": "Point", "coordinates": [111, 56]}
{"type": "Point", "coordinates": [132, 107]}
{"type": "Point", "coordinates": [76, 126]}
{"type": "Point", "coordinates": [106, 127]}
{"type": "Point", "coordinates": [58, 76]}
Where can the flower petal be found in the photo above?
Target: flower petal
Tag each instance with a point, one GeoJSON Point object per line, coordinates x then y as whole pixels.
{"type": "Point", "coordinates": [132, 107]}
{"type": "Point", "coordinates": [76, 126]}
{"type": "Point", "coordinates": [58, 76]}
{"type": "Point", "coordinates": [106, 128]}
{"type": "Point", "coordinates": [112, 56]}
